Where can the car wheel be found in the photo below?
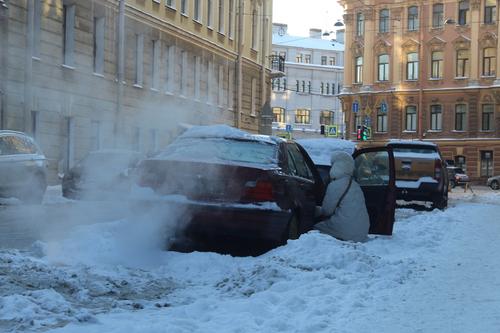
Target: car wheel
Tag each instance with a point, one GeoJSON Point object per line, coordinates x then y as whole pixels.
{"type": "Point", "coordinates": [495, 185]}
{"type": "Point", "coordinates": [292, 230]}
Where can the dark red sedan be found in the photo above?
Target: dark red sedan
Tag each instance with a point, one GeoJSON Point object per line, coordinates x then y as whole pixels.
{"type": "Point", "coordinates": [232, 185]}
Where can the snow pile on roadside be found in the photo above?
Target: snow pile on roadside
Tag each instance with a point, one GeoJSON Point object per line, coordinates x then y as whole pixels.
{"type": "Point", "coordinates": [99, 279]}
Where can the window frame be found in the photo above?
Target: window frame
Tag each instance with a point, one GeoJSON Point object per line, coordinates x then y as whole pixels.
{"type": "Point", "coordinates": [304, 115]}
{"type": "Point", "coordinates": [412, 19]}
{"type": "Point", "coordinates": [463, 13]}
{"type": "Point", "coordinates": [460, 117]}
{"type": "Point", "coordinates": [412, 120]}
{"type": "Point", "coordinates": [384, 19]}
{"type": "Point", "coordinates": [412, 64]}
{"type": "Point", "coordinates": [489, 60]}
{"type": "Point", "coordinates": [383, 67]}
{"type": "Point", "coordinates": [358, 69]}
{"type": "Point", "coordinates": [462, 63]}
{"type": "Point", "coordinates": [437, 15]}
{"type": "Point", "coordinates": [437, 67]}
{"type": "Point", "coordinates": [487, 117]}
{"type": "Point", "coordinates": [436, 118]}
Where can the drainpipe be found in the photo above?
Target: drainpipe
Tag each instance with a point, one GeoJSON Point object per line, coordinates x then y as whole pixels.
{"type": "Point", "coordinates": [120, 69]}
{"type": "Point", "coordinates": [28, 66]}
{"type": "Point", "coordinates": [421, 74]}
{"type": "Point", "coordinates": [4, 17]}
{"type": "Point", "coordinates": [239, 65]}
{"type": "Point", "coordinates": [263, 85]}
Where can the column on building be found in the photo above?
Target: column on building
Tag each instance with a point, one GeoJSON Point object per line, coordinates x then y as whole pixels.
{"type": "Point", "coordinates": [368, 57]}
{"type": "Point", "coordinates": [348, 66]}
{"type": "Point", "coordinates": [475, 52]}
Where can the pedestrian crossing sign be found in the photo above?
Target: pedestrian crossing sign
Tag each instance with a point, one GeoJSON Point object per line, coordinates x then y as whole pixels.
{"type": "Point", "coordinates": [331, 131]}
{"type": "Point", "coordinates": [285, 135]}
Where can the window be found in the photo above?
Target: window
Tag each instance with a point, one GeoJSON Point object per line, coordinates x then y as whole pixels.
{"type": "Point", "coordinates": [437, 65]}
{"type": "Point", "coordinates": [95, 135]}
{"type": "Point", "coordinates": [358, 70]}
{"type": "Point", "coordinates": [297, 164]}
{"type": "Point", "coordinates": [35, 123]}
{"type": "Point", "coordinates": [326, 118]}
{"type": "Point", "coordinates": [298, 57]}
{"type": "Point", "coordinates": [303, 86]}
{"type": "Point", "coordinates": [253, 106]}
{"type": "Point", "coordinates": [436, 117]}
{"type": "Point", "coordinates": [381, 120]}
{"type": "Point", "coordinates": [221, 17]}
{"type": "Point", "coordinates": [231, 19]}
{"type": "Point", "coordinates": [155, 67]}
{"type": "Point", "coordinates": [360, 24]}
{"type": "Point", "coordinates": [462, 63]}
{"type": "Point", "coordinates": [279, 115]}
{"type": "Point", "coordinates": [139, 56]}
{"type": "Point", "coordinates": [413, 18]}
{"type": "Point", "coordinates": [460, 114]}
{"type": "Point", "coordinates": [460, 162]}
{"type": "Point", "coordinates": [309, 86]}
{"type": "Point", "coordinates": [169, 65]}
{"type": "Point", "coordinates": [254, 30]}
{"type": "Point", "coordinates": [171, 3]}
{"type": "Point", "coordinates": [383, 67]}
{"type": "Point", "coordinates": [184, 7]}
{"type": "Point", "coordinates": [275, 84]}
{"type": "Point", "coordinates": [323, 60]}
{"type": "Point", "coordinates": [220, 88]}
{"type": "Point", "coordinates": [307, 59]}
{"type": "Point", "coordinates": [463, 12]}
{"type": "Point", "coordinates": [197, 10]}
{"type": "Point", "coordinates": [489, 61]}
{"type": "Point", "coordinates": [412, 66]}
{"type": "Point", "coordinates": [383, 21]}
{"type": "Point", "coordinates": [486, 163]}
{"type": "Point", "coordinates": [411, 118]}
{"type": "Point", "coordinates": [16, 145]}
{"type": "Point", "coordinates": [437, 15]}
{"type": "Point", "coordinates": [37, 28]}
{"type": "Point", "coordinates": [99, 45]}
{"type": "Point", "coordinates": [183, 70]}
{"type": "Point", "coordinates": [487, 117]}
{"type": "Point", "coordinates": [196, 77]}
{"type": "Point", "coordinates": [332, 61]}
{"type": "Point", "coordinates": [328, 88]}
{"type": "Point", "coordinates": [490, 12]}
{"type": "Point", "coordinates": [302, 116]}
{"type": "Point", "coordinates": [69, 35]}
{"type": "Point", "coordinates": [209, 13]}
{"type": "Point", "coordinates": [322, 88]}
{"type": "Point", "coordinates": [297, 84]}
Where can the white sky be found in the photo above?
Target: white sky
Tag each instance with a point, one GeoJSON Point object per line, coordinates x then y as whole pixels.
{"type": "Point", "coordinates": [301, 16]}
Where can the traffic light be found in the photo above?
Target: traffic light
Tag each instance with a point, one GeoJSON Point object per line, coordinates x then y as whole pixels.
{"type": "Point", "coordinates": [363, 133]}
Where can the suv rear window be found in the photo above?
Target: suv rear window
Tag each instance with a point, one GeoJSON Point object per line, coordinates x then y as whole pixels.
{"type": "Point", "coordinates": [220, 149]}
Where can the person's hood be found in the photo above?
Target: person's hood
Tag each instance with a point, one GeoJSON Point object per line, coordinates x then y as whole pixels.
{"type": "Point", "coordinates": [342, 165]}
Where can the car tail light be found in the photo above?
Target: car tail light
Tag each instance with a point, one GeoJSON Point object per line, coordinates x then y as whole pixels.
{"type": "Point", "coordinates": [437, 170]}
{"type": "Point", "coordinates": [259, 191]}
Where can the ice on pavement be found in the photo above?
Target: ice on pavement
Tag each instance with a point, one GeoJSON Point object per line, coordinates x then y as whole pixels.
{"type": "Point", "coordinates": [99, 279]}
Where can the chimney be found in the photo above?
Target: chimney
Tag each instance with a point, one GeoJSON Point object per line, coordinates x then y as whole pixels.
{"type": "Point", "coordinates": [340, 36]}
{"type": "Point", "coordinates": [315, 33]}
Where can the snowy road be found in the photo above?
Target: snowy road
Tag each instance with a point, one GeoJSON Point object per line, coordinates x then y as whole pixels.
{"type": "Point", "coordinates": [439, 272]}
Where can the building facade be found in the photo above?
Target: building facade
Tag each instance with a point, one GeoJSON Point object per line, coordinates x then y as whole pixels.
{"type": "Point", "coordinates": [85, 75]}
{"type": "Point", "coordinates": [305, 98]}
{"type": "Point", "coordinates": [426, 71]}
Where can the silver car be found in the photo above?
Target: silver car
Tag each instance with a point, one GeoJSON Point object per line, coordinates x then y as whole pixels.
{"type": "Point", "coordinates": [494, 182]}
{"type": "Point", "coordinates": [23, 167]}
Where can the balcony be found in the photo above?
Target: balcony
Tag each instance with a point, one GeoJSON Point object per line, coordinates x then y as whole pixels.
{"type": "Point", "coordinates": [277, 65]}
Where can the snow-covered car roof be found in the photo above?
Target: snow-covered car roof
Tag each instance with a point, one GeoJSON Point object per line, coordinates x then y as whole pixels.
{"type": "Point", "coordinates": [411, 142]}
{"type": "Point", "coordinates": [320, 150]}
{"type": "Point", "coordinates": [226, 132]}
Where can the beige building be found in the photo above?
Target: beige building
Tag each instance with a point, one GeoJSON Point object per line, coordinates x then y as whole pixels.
{"type": "Point", "coordinates": [85, 75]}
{"type": "Point", "coordinates": [426, 71]}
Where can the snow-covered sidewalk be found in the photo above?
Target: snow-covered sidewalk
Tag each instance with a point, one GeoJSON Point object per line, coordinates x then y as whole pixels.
{"type": "Point", "coordinates": [439, 272]}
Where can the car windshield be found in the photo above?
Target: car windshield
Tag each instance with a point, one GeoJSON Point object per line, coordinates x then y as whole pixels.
{"type": "Point", "coordinates": [221, 150]}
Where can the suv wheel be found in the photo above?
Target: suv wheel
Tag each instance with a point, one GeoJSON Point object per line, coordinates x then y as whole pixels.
{"type": "Point", "coordinates": [494, 185]}
{"type": "Point", "coordinates": [441, 202]}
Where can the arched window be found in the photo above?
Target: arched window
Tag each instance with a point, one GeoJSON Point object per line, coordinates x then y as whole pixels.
{"type": "Point", "coordinates": [413, 18]}
{"type": "Point", "coordinates": [383, 67]}
{"type": "Point", "coordinates": [383, 21]}
{"type": "Point", "coordinates": [412, 66]}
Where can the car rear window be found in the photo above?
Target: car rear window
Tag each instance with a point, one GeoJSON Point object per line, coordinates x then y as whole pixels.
{"type": "Point", "coordinates": [15, 145]}
{"type": "Point", "coordinates": [222, 150]}
{"type": "Point", "coordinates": [416, 150]}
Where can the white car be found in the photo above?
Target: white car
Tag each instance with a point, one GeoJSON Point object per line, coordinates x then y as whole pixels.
{"type": "Point", "coordinates": [494, 182]}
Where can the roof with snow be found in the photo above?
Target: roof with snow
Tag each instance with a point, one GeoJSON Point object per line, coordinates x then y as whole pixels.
{"type": "Point", "coordinates": [320, 150]}
{"type": "Point", "coordinates": [307, 42]}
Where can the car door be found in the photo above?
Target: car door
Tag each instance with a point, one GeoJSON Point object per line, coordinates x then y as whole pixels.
{"type": "Point", "coordinates": [302, 186]}
{"type": "Point", "coordinates": [375, 173]}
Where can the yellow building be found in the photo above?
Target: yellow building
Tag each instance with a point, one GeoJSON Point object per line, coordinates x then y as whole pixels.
{"type": "Point", "coordinates": [85, 75]}
{"type": "Point", "coordinates": [426, 71]}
